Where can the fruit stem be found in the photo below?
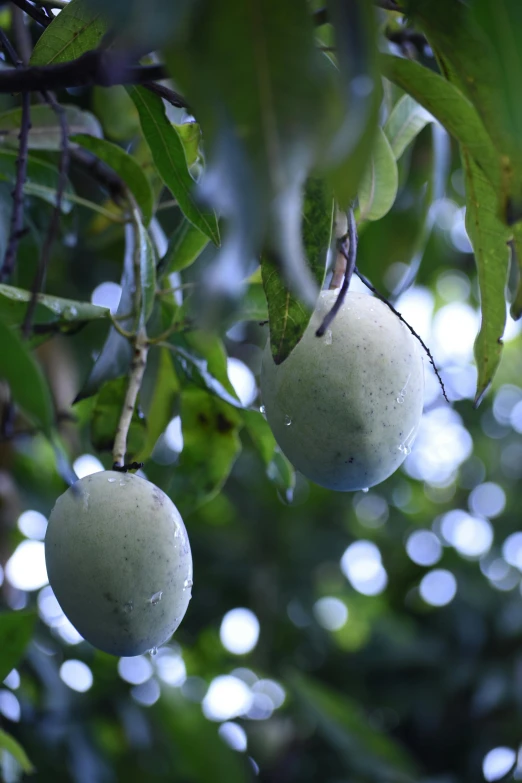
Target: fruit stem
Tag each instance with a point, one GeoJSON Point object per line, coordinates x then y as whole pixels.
{"type": "Point", "coordinates": [351, 256]}
{"type": "Point", "coordinates": [139, 362]}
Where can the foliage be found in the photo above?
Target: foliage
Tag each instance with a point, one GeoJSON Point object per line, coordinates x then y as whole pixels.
{"type": "Point", "coordinates": [217, 201]}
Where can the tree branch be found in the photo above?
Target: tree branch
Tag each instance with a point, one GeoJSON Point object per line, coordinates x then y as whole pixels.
{"type": "Point", "coordinates": [97, 67]}
{"type": "Point", "coordinates": [169, 95]}
{"type": "Point", "coordinates": [34, 13]}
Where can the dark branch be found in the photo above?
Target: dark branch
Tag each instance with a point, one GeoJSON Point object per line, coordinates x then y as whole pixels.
{"type": "Point", "coordinates": [367, 283]}
{"type": "Point", "coordinates": [169, 95]}
{"type": "Point", "coordinates": [9, 49]}
{"type": "Point", "coordinates": [54, 223]}
{"type": "Point", "coordinates": [351, 256]}
{"type": "Point", "coordinates": [97, 67]}
{"type": "Point", "coordinates": [34, 13]}
{"type": "Point", "coordinates": [17, 214]}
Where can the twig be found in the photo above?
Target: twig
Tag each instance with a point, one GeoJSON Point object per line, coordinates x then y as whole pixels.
{"type": "Point", "coordinates": [9, 49]}
{"type": "Point", "coordinates": [367, 283]}
{"type": "Point", "coordinates": [52, 3]}
{"type": "Point", "coordinates": [96, 67]}
{"type": "Point", "coordinates": [34, 13]}
{"type": "Point", "coordinates": [169, 95]}
{"type": "Point", "coordinates": [351, 256]}
{"type": "Point", "coordinates": [55, 217]}
{"type": "Point", "coordinates": [17, 214]}
{"type": "Point", "coordinates": [137, 370]}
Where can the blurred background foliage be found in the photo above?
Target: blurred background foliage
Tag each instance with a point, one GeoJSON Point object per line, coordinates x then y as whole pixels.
{"type": "Point", "coordinates": [332, 638]}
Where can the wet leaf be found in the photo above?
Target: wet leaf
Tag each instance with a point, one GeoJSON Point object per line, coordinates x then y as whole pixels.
{"type": "Point", "coordinates": [50, 309]}
{"type": "Point", "coordinates": [200, 357]}
{"type": "Point", "coordinates": [10, 745]}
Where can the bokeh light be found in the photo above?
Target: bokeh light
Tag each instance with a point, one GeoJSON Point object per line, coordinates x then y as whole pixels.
{"type": "Point", "coordinates": [497, 763]}
{"type": "Point", "coordinates": [424, 547]}
{"type": "Point", "coordinates": [471, 536]}
{"type": "Point", "coordinates": [86, 465]}
{"type": "Point", "coordinates": [331, 613]}
{"type": "Point", "coordinates": [227, 697]}
{"type": "Point", "coordinates": [361, 564]}
{"type": "Point", "coordinates": [135, 670]}
{"type": "Point", "coordinates": [76, 675]}
{"type": "Point", "coordinates": [239, 631]}
{"type": "Point", "coordinates": [487, 500]}
{"type": "Point", "coordinates": [32, 524]}
{"type": "Point", "coordinates": [107, 295]}
{"type": "Point", "coordinates": [438, 587]}
{"type": "Point", "coordinates": [234, 735]}
{"type": "Point", "coordinates": [26, 568]}
{"type": "Point", "coordinates": [242, 379]}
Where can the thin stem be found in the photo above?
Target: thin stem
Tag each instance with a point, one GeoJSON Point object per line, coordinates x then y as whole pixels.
{"type": "Point", "coordinates": [137, 370]}
{"type": "Point", "coordinates": [34, 13]}
{"type": "Point", "coordinates": [54, 223]}
{"type": "Point", "coordinates": [169, 95]}
{"type": "Point", "coordinates": [17, 215]}
{"type": "Point", "coordinates": [367, 283]}
{"type": "Point", "coordinates": [52, 3]}
{"type": "Point", "coordinates": [167, 205]}
{"type": "Point", "coordinates": [351, 256]}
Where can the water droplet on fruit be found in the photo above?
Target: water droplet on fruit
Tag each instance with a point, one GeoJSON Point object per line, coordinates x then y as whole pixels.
{"type": "Point", "coordinates": [187, 583]}
{"type": "Point", "coordinates": [328, 338]}
{"type": "Point", "coordinates": [288, 420]}
{"type": "Point", "coordinates": [400, 398]}
{"type": "Point", "coordinates": [156, 598]}
{"type": "Point", "coordinates": [122, 482]}
{"type": "Point", "coordinates": [365, 489]}
{"type": "Point", "coordinates": [262, 410]}
{"type": "Point", "coordinates": [154, 651]}
{"type": "Point", "coordinates": [111, 480]}
{"type": "Point", "coordinates": [86, 496]}
{"type": "Point", "coordinates": [128, 607]}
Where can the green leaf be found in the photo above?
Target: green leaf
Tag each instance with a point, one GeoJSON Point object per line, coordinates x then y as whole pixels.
{"type": "Point", "coordinates": [405, 122]}
{"type": "Point", "coordinates": [73, 32]}
{"type": "Point", "coordinates": [42, 179]}
{"type": "Point", "coordinates": [281, 473]}
{"type": "Point", "coordinates": [148, 263]}
{"type": "Point", "coordinates": [476, 52]}
{"type": "Point", "coordinates": [26, 380]}
{"type": "Point", "coordinates": [116, 112]}
{"type": "Point", "coordinates": [201, 358]}
{"type": "Point", "coordinates": [259, 103]}
{"type": "Point", "coordinates": [185, 245]}
{"type": "Point", "coordinates": [449, 106]}
{"type": "Point", "coordinates": [45, 132]}
{"type": "Point", "coordinates": [16, 631]}
{"type": "Point", "coordinates": [12, 746]}
{"type": "Point", "coordinates": [106, 415]}
{"type": "Point", "coordinates": [489, 239]}
{"type": "Point", "coordinates": [368, 754]}
{"type": "Point", "coordinates": [50, 309]}
{"type": "Point", "coordinates": [516, 305]}
{"type": "Point", "coordinates": [288, 317]}
{"type": "Point", "coordinates": [170, 160]}
{"type": "Point", "coordinates": [261, 435]}
{"type": "Point", "coordinates": [161, 408]}
{"type": "Point", "coordinates": [126, 167]}
{"type": "Point", "coordinates": [378, 187]}
{"type": "Point", "coordinates": [188, 731]}
{"type": "Point", "coordinates": [357, 106]}
{"type": "Point", "coordinates": [190, 135]}
{"type": "Point", "coordinates": [253, 306]}
{"type": "Point", "coordinates": [210, 447]}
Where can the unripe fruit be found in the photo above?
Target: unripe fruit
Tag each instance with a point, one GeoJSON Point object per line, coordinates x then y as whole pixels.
{"type": "Point", "coordinates": [345, 407]}
{"type": "Point", "coordinates": [119, 561]}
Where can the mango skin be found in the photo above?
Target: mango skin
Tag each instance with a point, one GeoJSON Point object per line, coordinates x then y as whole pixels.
{"type": "Point", "coordinates": [119, 561]}
{"type": "Point", "coordinates": [345, 408]}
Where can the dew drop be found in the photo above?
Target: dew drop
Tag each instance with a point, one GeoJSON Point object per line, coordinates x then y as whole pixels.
{"type": "Point", "coordinates": [262, 410]}
{"type": "Point", "coordinates": [188, 583]}
{"type": "Point", "coordinates": [288, 420]}
{"type": "Point", "coordinates": [86, 496]}
{"type": "Point", "coordinates": [111, 480]}
{"type": "Point", "coordinates": [328, 338]}
{"type": "Point", "coordinates": [154, 651]}
{"type": "Point", "coordinates": [122, 482]}
{"type": "Point", "coordinates": [400, 398]}
{"type": "Point", "coordinates": [156, 598]}
{"type": "Point", "coordinates": [365, 489]}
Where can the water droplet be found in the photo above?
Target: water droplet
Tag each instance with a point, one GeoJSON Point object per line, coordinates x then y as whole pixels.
{"type": "Point", "coordinates": [122, 482]}
{"type": "Point", "coordinates": [262, 410]}
{"type": "Point", "coordinates": [365, 489]}
{"type": "Point", "coordinates": [407, 450]}
{"type": "Point", "coordinates": [128, 607]}
{"type": "Point", "coordinates": [70, 312]}
{"type": "Point", "coordinates": [188, 583]}
{"type": "Point", "coordinates": [154, 651]}
{"type": "Point", "coordinates": [86, 496]}
{"type": "Point", "coordinates": [156, 598]}
{"type": "Point", "coordinates": [328, 338]}
{"type": "Point", "coordinates": [288, 420]}
{"type": "Point", "coordinates": [111, 480]}
{"type": "Point", "coordinates": [400, 398]}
